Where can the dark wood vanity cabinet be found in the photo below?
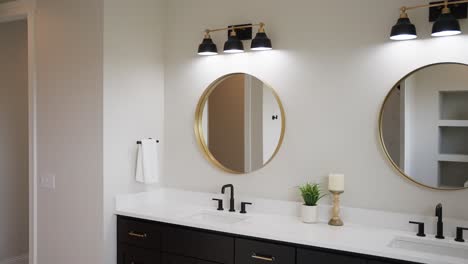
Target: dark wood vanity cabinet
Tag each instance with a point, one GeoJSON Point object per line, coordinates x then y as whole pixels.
{"type": "Point", "coordinates": [305, 256]}
{"type": "Point", "coordinates": [147, 242]}
{"type": "Point", "coordinates": [197, 244]}
{"type": "Point", "coordinates": [134, 255]}
{"type": "Point", "coordinates": [138, 233]}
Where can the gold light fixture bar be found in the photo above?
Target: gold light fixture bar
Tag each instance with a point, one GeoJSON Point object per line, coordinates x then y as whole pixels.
{"type": "Point", "coordinates": [445, 3]}
{"type": "Point", "coordinates": [446, 25]}
{"type": "Point", "coordinates": [234, 44]}
{"type": "Point", "coordinates": [261, 25]}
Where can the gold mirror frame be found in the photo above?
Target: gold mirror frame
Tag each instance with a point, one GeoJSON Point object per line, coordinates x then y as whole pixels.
{"type": "Point", "coordinates": [382, 143]}
{"type": "Point", "coordinates": [199, 128]}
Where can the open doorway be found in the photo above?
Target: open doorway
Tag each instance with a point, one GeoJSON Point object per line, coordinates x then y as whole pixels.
{"type": "Point", "coordinates": [14, 143]}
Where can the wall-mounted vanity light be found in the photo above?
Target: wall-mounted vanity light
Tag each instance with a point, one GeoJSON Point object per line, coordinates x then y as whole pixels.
{"type": "Point", "coordinates": [234, 43]}
{"type": "Point", "coordinates": [445, 25]}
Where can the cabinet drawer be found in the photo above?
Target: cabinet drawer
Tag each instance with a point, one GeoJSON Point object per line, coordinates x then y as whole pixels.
{"type": "Point", "coordinates": [173, 259]}
{"type": "Point", "coordinates": [133, 255]}
{"type": "Point", "coordinates": [255, 252]}
{"type": "Point", "coordinates": [305, 256]}
{"type": "Point", "coordinates": [138, 233]}
{"type": "Point", "coordinates": [197, 244]}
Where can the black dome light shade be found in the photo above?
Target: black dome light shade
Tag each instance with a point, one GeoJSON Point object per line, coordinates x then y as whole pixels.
{"type": "Point", "coordinates": [446, 25]}
{"type": "Point", "coordinates": [207, 47]}
{"type": "Point", "coordinates": [233, 44]}
{"type": "Point", "coordinates": [404, 29]}
{"type": "Point", "coordinates": [261, 40]}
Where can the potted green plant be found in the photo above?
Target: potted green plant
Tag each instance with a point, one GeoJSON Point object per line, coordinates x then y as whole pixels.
{"type": "Point", "coordinates": [311, 194]}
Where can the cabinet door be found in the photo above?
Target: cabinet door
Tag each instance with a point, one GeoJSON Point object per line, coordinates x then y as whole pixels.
{"type": "Point", "coordinates": [198, 244]}
{"type": "Point", "coordinates": [133, 255]}
{"type": "Point", "coordinates": [138, 233]}
{"type": "Point", "coordinates": [173, 259]}
{"type": "Point", "coordinates": [305, 256]}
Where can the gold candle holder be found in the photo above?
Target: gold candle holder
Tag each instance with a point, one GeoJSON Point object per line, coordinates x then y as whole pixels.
{"type": "Point", "coordinates": [336, 220]}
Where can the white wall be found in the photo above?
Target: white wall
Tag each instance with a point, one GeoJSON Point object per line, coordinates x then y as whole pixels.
{"type": "Point", "coordinates": [332, 67]}
{"type": "Point", "coordinates": [69, 48]}
{"type": "Point", "coordinates": [133, 97]}
{"type": "Point", "coordinates": [271, 128]}
{"type": "Point", "coordinates": [14, 152]}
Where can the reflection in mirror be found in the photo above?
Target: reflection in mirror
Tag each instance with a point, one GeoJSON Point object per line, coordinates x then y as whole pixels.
{"type": "Point", "coordinates": [240, 123]}
{"type": "Point", "coordinates": [424, 126]}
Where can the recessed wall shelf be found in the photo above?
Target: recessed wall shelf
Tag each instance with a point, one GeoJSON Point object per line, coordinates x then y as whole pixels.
{"type": "Point", "coordinates": [453, 158]}
{"type": "Point", "coordinates": [453, 105]}
{"type": "Point", "coordinates": [453, 174]}
{"type": "Point", "coordinates": [453, 123]}
{"type": "Point", "coordinates": [453, 140]}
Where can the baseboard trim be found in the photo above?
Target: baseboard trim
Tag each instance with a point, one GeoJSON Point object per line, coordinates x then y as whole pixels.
{"type": "Point", "coordinates": [23, 259]}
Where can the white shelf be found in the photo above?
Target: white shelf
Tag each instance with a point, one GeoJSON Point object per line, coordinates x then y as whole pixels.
{"type": "Point", "coordinates": [453, 105]}
{"type": "Point", "coordinates": [453, 158]}
{"type": "Point", "coordinates": [453, 123]}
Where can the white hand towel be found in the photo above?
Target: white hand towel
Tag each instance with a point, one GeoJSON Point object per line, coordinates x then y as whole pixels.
{"type": "Point", "coordinates": [466, 184]}
{"type": "Point", "coordinates": [147, 170]}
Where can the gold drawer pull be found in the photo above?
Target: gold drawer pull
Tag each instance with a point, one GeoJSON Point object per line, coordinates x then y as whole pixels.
{"type": "Point", "coordinates": [133, 234]}
{"type": "Point", "coordinates": [269, 259]}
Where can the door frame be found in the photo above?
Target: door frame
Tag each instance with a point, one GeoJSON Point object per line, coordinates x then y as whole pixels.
{"type": "Point", "coordinates": [25, 10]}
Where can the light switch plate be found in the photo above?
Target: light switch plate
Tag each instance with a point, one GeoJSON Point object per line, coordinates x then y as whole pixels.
{"type": "Point", "coordinates": [48, 181]}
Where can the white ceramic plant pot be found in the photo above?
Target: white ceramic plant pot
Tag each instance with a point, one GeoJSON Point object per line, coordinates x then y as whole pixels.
{"type": "Point", "coordinates": [309, 214]}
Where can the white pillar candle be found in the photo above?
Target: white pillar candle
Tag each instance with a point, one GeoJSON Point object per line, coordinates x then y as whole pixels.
{"type": "Point", "coordinates": [336, 182]}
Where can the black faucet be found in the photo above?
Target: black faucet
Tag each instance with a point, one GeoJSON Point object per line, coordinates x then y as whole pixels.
{"type": "Point", "coordinates": [243, 207]}
{"type": "Point", "coordinates": [459, 237]}
{"type": "Point", "coordinates": [231, 201]}
{"type": "Point", "coordinates": [420, 228]}
{"type": "Point", "coordinates": [440, 224]}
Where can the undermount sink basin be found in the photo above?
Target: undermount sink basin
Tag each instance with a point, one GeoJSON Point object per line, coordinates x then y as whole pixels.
{"type": "Point", "coordinates": [427, 245]}
{"type": "Point", "coordinates": [218, 218]}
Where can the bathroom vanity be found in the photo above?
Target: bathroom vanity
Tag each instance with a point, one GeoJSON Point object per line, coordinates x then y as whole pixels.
{"type": "Point", "coordinates": [147, 242]}
{"type": "Point", "coordinates": [178, 227]}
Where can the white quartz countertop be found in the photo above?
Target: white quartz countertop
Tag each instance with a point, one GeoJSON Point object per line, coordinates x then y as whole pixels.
{"type": "Point", "coordinates": [179, 208]}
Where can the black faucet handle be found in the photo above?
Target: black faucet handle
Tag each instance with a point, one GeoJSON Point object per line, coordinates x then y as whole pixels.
{"type": "Point", "coordinates": [420, 228]}
{"type": "Point", "coordinates": [220, 204]}
{"type": "Point", "coordinates": [243, 207]}
{"type": "Point", "coordinates": [439, 210]}
{"type": "Point", "coordinates": [459, 237]}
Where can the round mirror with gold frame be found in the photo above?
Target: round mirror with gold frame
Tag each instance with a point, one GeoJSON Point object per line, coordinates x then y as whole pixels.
{"type": "Point", "coordinates": [424, 126]}
{"type": "Point", "coordinates": [239, 123]}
